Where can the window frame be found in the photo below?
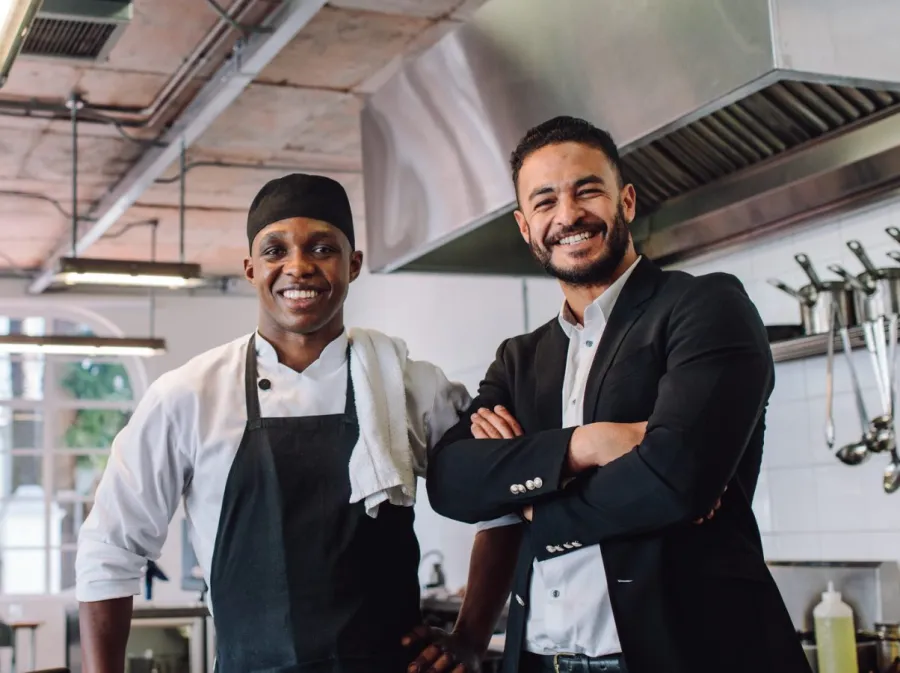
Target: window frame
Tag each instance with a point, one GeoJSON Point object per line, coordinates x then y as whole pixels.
{"type": "Point", "coordinates": [52, 403]}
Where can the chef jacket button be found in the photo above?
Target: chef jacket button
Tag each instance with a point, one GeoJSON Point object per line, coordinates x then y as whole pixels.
{"type": "Point", "coordinates": [529, 485]}
{"type": "Point", "coordinates": [265, 384]}
{"type": "Point", "coordinates": [538, 482]}
{"type": "Point", "coordinates": [514, 489]}
{"type": "Point", "coordinates": [551, 548]}
{"type": "Point", "coordinates": [519, 600]}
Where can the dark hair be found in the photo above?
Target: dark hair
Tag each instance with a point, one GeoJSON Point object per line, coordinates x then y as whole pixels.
{"type": "Point", "coordinates": [563, 129]}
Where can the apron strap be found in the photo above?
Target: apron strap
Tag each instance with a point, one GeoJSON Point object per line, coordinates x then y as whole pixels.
{"type": "Point", "coordinates": [350, 405]}
{"type": "Point", "coordinates": [250, 383]}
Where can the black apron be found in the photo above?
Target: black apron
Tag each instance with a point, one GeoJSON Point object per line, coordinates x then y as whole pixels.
{"type": "Point", "coordinates": [303, 581]}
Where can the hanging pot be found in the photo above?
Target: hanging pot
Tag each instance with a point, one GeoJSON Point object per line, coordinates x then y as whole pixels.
{"type": "Point", "coordinates": [878, 293]}
{"type": "Point", "coordinates": [817, 297]}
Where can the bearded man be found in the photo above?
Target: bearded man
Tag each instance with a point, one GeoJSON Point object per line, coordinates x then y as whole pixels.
{"type": "Point", "coordinates": [611, 455]}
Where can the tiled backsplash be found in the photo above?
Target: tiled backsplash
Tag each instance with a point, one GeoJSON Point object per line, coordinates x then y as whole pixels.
{"type": "Point", "coordinates": [810, 505]}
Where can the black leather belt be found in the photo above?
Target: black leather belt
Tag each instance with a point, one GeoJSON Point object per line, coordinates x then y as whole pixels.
{"type": "Point", "coordinates": [574, 663]}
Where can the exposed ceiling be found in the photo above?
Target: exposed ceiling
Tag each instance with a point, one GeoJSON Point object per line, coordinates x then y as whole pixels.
{"type": "Point", "coordinates": [301, 112]}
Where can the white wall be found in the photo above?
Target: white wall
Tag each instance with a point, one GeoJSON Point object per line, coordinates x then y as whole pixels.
{"type": "Point", "coordinates": [809, 505]}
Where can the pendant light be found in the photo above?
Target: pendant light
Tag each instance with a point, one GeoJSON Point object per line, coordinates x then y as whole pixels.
{"type": "Point", "coordinates": [76, 270]}
{"type": "Point", "coordinates": [86, 345]}
{"type": "Point", "coordinates": [81, 345]}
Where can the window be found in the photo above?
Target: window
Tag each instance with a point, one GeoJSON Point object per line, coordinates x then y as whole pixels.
{"type": "Point", "coordinates": [58, 417]}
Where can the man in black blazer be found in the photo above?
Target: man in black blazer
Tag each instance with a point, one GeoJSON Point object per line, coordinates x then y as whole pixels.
{"type": "Point", "coordinates": [598, 442]}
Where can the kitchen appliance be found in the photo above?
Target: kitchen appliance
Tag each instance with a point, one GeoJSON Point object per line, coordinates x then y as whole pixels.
{"type": "Point", "coordinates": [817, 297]}
{"type": "Point", "coordinates": [775, 113]}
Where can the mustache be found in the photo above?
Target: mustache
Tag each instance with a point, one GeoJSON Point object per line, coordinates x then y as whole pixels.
{"type": "Point", "coordinates": [579, 227]}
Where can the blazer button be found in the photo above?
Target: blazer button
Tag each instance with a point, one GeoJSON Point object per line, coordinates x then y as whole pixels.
{"type": "Point", "coordinates": [551, 548]}
{"type": "Point", "coordinates": [514, 489]}
{"type": "Point", "coordinates": [265, 384]}
{"type": "Point", "coordinates": [538, 482]}
{"type": "Point", "coordinates": [519, 600]}
{"type": "Point", "coordinates": [529, 485]}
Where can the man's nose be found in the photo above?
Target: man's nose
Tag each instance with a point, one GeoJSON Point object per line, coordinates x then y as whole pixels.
{"type": "Point", "coordinates": [298, 264]}
{"type": "Point", "coordinates": [568, 211]}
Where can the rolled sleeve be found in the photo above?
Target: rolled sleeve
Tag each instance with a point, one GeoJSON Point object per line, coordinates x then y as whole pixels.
{"type": "Point", "coordinates": [434, 405]}
{"type": "Point", "coordinates": [135, 501]}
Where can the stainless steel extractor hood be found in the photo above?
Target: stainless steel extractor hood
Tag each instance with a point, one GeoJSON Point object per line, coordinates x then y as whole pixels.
{"type": "Point", "coordinates": [735, 118]}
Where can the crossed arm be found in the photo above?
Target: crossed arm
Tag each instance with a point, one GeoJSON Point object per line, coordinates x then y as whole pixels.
{"type": "Point", "coordinates": [718, 377]}
{"type": "Point", "coordinates": [594, 445]}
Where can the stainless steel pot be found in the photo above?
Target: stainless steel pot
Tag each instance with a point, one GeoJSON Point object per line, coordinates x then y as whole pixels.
{"type": "Point", "coordinates": [877, 293]}
{"type": "Point", "coordinates": [888, 647]}
{"type": "Point", "coordinates": [817, 297]}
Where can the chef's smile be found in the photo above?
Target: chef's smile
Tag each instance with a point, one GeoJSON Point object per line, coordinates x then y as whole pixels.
{"type": "Point", "coordinates": [300, 299]}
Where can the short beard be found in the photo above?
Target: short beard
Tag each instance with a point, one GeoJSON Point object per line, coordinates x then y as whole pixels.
{"type": "Point", "coordinates": [601, 270]}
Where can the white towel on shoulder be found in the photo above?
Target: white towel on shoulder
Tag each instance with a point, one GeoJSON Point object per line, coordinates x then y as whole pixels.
{"type": "Point", "coordinates": [381, 464]}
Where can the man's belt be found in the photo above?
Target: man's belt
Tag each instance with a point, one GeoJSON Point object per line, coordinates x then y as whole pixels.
{"type": "Point", "coordinates": [578, 663]}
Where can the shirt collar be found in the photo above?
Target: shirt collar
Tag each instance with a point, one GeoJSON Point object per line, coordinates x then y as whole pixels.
{"type": "Point", "coordinates": [332, 358]}
{"type": "Point", "coordinates": [599, 309]}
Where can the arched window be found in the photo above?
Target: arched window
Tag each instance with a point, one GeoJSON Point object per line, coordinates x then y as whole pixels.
{"type": "Point", "coordinates": [58, 417]}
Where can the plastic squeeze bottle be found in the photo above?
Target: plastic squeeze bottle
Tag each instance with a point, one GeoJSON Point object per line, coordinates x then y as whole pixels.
{"type": "Point", "coordinates": [835, 635]}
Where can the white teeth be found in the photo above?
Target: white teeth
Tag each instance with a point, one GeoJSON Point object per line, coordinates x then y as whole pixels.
{"type": "Point", "coordinates": [300, 294]}
{"type": "Point", "coordinates": [576, 238]}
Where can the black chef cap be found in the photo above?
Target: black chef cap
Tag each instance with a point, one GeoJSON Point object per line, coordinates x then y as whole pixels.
{"type": "Point", "coordinates": [299, 195]}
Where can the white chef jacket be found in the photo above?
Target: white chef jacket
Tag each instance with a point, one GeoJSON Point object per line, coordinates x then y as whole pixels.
{"type": "Point", "coordinates": [182, 439]}
{"type": "Point", "coordinates": [569, 607]}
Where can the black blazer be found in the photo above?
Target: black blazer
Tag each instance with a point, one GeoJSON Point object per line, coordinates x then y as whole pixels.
{"type": "Point", "coordinates": [690, 356]}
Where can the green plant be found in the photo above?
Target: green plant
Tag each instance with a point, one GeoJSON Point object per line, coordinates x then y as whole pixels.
{"type": "Point", "coordinates": [108, 382]}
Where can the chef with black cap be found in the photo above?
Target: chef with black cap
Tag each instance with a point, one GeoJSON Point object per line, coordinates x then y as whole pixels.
{"type": "Point", "coordinates": [295, 450]}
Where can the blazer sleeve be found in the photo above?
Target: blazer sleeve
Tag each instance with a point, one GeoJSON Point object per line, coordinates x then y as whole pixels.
{"type": "Point", "coordinates": [719, 377]}
{"type": "Point", "coordinates": [477, 480]}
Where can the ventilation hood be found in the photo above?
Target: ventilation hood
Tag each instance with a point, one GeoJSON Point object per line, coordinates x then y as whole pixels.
{"type": "Point", "coordinates": [735, 119]}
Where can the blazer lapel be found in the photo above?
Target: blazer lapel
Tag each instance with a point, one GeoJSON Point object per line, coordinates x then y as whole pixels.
{"type": "Point", "coordinates": [638, 289]}
{"type": "Point", "coordinates": [550, 369]}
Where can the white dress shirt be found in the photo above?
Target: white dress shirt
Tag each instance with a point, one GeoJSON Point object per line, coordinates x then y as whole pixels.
{"type": "Point", "coordinates": [569, 607]}
{"type": "Point", "coordinates": [182, 439]}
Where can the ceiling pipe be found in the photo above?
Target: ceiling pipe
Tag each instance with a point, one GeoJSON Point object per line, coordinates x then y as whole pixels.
{"type": "Point", "coordinates": [149, 115]}
{"type": "Point", "coordinates": [221, 91]}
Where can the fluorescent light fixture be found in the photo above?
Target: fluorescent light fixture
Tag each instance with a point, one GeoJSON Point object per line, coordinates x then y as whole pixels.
{"type": "Point", "coordinates": [86, 271]}
{"type": "Point", "coordinates": [80, 345]}
{"type": "Point", "coordinates": [15, 20]}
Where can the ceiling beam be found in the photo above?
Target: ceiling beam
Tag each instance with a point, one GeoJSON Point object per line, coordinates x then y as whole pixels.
{"type": "Point", "coordinates": [222, 90]}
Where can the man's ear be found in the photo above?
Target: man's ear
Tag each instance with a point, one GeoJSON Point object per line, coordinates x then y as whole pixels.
{"type": "Point", "coordinates": [248, 270]}
{"type": "Point", "coordinates": [523, 225]}
{"type": "Point", "coordinates": [356, 260]}
{"type": "Point", "coordinates": [628, 198]}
